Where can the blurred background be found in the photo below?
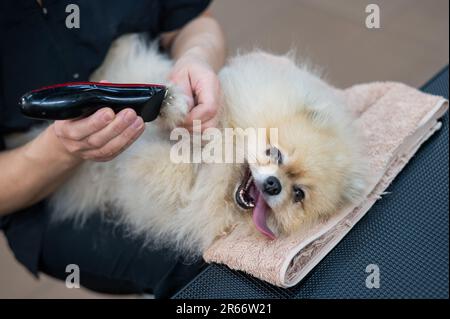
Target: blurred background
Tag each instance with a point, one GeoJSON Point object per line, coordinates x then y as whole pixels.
{"type": "Point", "coordinates": [411, 46]}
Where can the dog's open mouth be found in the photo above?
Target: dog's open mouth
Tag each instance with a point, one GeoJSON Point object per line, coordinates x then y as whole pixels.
{"type": "Point", "coordinates": [248, 196]}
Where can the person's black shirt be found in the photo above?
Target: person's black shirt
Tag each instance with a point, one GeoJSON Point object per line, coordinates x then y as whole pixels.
{"type": "Point", "coordinates": [38, 49]}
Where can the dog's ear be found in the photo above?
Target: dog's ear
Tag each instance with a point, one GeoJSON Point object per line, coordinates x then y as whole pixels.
{"type": "Point", "coordinates": [313, 115]}
{"type": "Point", "coordinates": [317, 117]}
{"type": "Point", "coordinates": [357, 183]}
{"type": "Point", "coordinates": [291, 55]}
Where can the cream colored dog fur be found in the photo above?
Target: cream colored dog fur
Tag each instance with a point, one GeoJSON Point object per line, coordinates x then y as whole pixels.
{"type": "Point", "coordinates": [186, 206]}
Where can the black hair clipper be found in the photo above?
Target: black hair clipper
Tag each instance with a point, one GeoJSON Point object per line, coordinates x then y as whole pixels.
{"type": "Point", "coordinates": [81, 99]}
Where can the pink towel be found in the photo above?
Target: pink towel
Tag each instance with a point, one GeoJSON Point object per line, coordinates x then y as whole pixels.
{"type": "Point", "coordinates": [395, 120]}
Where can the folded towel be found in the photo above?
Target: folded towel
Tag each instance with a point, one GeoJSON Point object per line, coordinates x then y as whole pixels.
{"type": "Point", "coordinates": [395, 120]}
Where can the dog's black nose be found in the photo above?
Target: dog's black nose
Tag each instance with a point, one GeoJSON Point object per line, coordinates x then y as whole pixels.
{"type": "Point", "coordinates": [272, 186]}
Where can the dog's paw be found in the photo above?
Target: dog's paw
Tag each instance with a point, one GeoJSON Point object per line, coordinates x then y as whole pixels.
{"type": "Point", "coordinates": [174, 109]}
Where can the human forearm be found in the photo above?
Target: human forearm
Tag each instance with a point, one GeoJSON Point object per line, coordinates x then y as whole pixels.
{"type": "Point", "coordinates": [199, 51]}
{"type": "Point", "coordinates": [32, 172]}
{"type": "Point", "coordinates": [202, 38]}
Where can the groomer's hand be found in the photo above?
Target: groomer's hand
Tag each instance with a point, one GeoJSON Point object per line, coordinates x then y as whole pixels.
{"type": "Point", "coordinates": [200, 83]}
{"type": "Point", "coordinates": [101, 136]}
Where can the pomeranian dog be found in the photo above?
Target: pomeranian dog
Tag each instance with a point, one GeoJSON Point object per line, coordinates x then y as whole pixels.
{"type": "Point", "coordinates": [315, 166]}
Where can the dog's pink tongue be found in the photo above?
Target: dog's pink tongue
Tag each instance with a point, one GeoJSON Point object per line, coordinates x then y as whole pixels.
{"type": "Point", "coordinates": [260, 217]}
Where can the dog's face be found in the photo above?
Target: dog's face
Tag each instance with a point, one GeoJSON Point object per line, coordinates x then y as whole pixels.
{"type": "Point", "coordinates": [305, 176]}
{"type": "Point", "coordinates": [309, 172]}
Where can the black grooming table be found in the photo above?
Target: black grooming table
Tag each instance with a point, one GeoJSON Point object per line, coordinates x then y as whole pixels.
{"type": "Point", "coordinates": [405, 234]}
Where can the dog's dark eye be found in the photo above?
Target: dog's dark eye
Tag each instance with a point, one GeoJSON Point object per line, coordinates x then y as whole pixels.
{"type": "Point", "coordinates": [299, 194]}
{"type": "Point", "coordinates": [275, 153]}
